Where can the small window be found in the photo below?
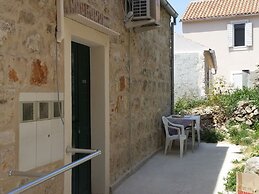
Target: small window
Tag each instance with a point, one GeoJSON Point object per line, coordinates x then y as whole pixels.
{"type": "Point", "coordinates": [27, 111]}
{"type": "Point", "coordinates": [239, 34]}
{"type": "Point", "coordinates": [43, 110]}
{"type": "Point", "coordinates": [57, 109]}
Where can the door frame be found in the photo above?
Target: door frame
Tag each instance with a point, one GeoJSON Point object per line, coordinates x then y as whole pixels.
{"type": "Point", "coordinates": [99, 75]}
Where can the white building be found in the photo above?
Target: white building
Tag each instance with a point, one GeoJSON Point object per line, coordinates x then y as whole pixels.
{"type": "Point", "coordinates": [231, 28]}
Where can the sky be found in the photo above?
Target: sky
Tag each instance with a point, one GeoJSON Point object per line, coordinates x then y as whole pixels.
{"type": "Point", "coordinates": [180, 7]}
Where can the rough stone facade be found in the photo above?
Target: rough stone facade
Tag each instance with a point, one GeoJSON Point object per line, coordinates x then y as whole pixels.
{"type": "Point", "coordinates": [139, 82]}
{"type": "Point", "coordinates": [139, 91]}
{"type": "Point", "coordinates": [27, 64]}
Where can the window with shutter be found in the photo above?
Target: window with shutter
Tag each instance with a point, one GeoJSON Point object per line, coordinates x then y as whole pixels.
{"type": "Point", "coordinates": [240, 34]}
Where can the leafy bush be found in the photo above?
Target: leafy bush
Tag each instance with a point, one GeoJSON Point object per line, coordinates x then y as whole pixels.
{"type": "Point", "coordinates": [186, 104]}
{"type": "Point", "coordinates": [253, 151]}
{"type": "Point", "coordinates": [229, 101]}
{"type": "Point", "coordinates": [220, 86]}
{"type": "Point", "coordinates": [256, 126]}
{"type": "Point", "coordinates": [212, 136]}
{"type": "Point", "coordinates": [255, 135]}
{"type": "Point", "coordinates": [230, 184]}
{"type": "Point", "coordinates": [240, 135]}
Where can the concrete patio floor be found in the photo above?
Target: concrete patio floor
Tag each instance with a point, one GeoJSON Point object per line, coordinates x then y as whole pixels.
{"type": "Point", "coordinates": [198, 172]}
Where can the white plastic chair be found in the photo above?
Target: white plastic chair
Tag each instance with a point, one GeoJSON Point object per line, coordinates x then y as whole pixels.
{"type": "Point", "coordinates": [170, 138]}
{"type": "Point", "coordinates": [185, 128]}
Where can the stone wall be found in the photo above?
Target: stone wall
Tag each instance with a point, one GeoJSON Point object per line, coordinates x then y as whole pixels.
{"type": "Point", "coordinates": [27, 64]}
{"type": "Point", "coordinates": [139, 92]}
{"type": "Point", "coordinates": [139, 87]}
{"type": "Point", "coordinates": [139, 82]}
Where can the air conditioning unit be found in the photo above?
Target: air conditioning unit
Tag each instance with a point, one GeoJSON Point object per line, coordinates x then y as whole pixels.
{"type": "Point", "coordinates": [141, 9]}
{"type": "Point", "coordinates": [142, 13]}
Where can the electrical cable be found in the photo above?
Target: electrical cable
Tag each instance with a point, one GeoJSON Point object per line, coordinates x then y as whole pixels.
{"type": "Point", "coordinates": [57, 83]}
{"type": "Point", "coordinates": [130, 116]}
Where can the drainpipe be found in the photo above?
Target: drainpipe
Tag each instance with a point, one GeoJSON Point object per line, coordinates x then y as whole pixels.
{"type": "Point", "coordinates": [172, 67]}
{"type": "Point", "coordinates": [170, 10]}
{"type": "Point", "coordinates": [60, 20]}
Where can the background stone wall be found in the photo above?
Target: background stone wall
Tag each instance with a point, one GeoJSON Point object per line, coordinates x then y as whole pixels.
{"type": "Point", "coordinates": [27, 64]}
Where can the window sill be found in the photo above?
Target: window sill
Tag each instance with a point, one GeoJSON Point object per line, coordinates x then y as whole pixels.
{"type": "Point", "coordinates": [239, 48]}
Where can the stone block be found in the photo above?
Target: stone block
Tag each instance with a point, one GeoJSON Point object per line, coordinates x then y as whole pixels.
{"type": "Point", "coordinates": [34, 43]}
{"type": "Point", "coordinates": [252, 166]}
{"type": "Point", "coordinates": [7, 160]}
{"type": "Point", "coordinates": [12, 74]}
{"type": "Point", "coordinates": [26, 17]}
{"type": "Point", "coordinates": [39, 74]}
{"type": "Point", "coordinates": [6, 28]}
{"type": "Point", "coordinates": [7, 107]}
{"type": "Point", "coordinates": [7, 137]}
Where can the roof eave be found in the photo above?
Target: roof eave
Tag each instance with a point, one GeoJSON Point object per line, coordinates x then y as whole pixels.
{"type": "Point", "coordinates": [168, 7]}
{"type": "Point", "coordinates": [216, 18]}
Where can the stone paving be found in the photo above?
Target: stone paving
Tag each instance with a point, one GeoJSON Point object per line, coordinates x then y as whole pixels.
{"type": "Point", "coordinates": [198, 172]}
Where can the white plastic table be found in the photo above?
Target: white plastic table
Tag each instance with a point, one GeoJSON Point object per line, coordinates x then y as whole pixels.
{"type": "Point", "coordinates": [185, 121]}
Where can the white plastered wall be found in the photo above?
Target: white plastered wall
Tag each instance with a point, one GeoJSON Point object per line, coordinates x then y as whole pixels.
{"type": "Point", "coordinates": [213, 34]}
{"type": "Point", "coordinates": [99, 45]}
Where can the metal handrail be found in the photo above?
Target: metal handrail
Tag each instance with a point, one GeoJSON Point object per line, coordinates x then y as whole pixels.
{"type": "Point", "coordinates": [55, 173]}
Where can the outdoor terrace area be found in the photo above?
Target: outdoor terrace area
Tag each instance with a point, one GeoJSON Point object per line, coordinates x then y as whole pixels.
{"type": "Point", "coordinates": [199, 172]}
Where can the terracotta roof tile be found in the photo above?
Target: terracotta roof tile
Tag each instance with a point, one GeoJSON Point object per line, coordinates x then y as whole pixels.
{"type": "Point", "coordinates": [210, 9]}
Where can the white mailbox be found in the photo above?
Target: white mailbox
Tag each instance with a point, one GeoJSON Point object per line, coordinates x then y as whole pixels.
{"type": "Point", "coordinates": [41, 139]}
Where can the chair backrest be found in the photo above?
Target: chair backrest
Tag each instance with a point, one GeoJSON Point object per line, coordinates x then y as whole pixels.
{"type": "Point", "coordinates": [165, 122]}
{"type": "Point", "coordinates": [175, 116]}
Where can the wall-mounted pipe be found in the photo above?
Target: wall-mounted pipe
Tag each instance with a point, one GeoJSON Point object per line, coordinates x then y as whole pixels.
{"type": "Point", "coordinates": [60, 20]}
{"type": "Point", "coordinates": [172, 66]}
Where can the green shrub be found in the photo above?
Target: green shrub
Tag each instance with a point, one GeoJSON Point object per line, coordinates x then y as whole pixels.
{"type": "Point", "coordinates": [231, 123]}
{"type": "Point", "coordinates": [256, 126]}
{"type": "Point", "coordinates": [255, 134]}
{"type": "Point", "coordinates": [230, 184]}
{"type": "Point", "coordinates": [239, 135]}
{"type": "Point", "coordinates": [212, 136]}
{"type": "Point", "coordinates": [229, 101]}
{"type": "Point", "coordinates": [254, 151]}
{"type": "Point", "coordinates": [186, 104]}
